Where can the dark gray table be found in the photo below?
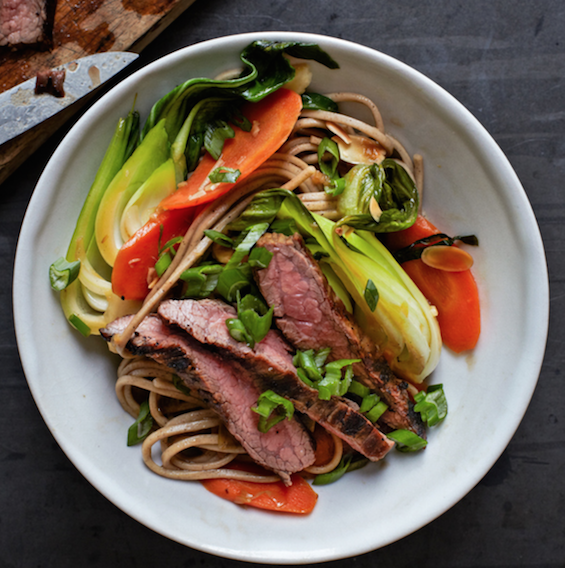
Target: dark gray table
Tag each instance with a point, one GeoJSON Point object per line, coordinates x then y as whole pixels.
{"type": "Point", "coordinates": [505, 61]}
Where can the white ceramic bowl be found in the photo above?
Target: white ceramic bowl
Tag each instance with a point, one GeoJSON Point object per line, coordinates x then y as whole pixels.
{"type": "Point", "coordinates": [470, 188]}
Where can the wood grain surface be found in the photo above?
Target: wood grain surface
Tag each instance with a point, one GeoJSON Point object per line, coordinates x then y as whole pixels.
{"type": "Point", "coordinates": [84, 27]}
{"type": "Point", "coordinates": [81, 27]}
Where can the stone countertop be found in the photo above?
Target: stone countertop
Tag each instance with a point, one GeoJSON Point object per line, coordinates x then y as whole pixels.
{"type": "Point", "coordinates": [505, 61]}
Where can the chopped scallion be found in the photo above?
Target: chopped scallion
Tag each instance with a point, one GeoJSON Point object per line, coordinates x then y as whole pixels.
{"type": "Point", "coordinates": [407, 441]}
{"type": "Point", "coordinates": [432, 405]}
{"type": "Point", "coordinates": [79, 325]}
{"type": "Point", "coordinates": [272, 409]}
{"type": "Point", "coordinates": [62, 273]}
{"type": "Point", "coordinates": [140, 429]}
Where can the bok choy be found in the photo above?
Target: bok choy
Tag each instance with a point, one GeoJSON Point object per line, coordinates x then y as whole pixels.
{"type": "Point", "coordinates": [388, 305]}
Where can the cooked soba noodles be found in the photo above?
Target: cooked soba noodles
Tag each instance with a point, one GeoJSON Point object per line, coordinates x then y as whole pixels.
{"type": "Point", "coordinates": [189, 440]}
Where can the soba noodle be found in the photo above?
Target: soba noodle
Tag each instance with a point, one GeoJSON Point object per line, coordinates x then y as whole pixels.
{"type": "Point", "coordinates": [193, 442]}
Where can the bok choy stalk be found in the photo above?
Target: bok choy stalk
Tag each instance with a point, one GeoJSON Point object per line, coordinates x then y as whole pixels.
{"type": "Point", "coordinates": [88, 302]}
{"type": "Point", "coordinates": [189, 109]}
{"type": "Point", "coordinates": [397, 317]}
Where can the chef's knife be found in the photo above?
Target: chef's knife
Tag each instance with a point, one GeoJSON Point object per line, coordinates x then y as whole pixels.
{"type": "Point", "coordinates": [22, 109]}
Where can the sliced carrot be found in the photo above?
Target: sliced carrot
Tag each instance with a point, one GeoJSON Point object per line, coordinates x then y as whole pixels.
{"type": "Point", "coordinates": [421, 229]}
{"type": "Point", "coordinates": [454, 294]}
{"type": "Point", "coordinates": [299, 498]}
{"type": "Point", "coordinates": [272, 120]}
{"type": "Point", "coordinates": [138, 256]}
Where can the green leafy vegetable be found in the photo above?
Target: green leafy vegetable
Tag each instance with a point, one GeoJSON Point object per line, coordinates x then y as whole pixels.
{"type": "Point", "coordinates": [216, 133]}
{"type": "Point", "coordinates": [315, 101]}
{"type": "Point", "coordinates": [328, 147]}
{"type": "Point", "coordinates": [272, 409]}
{"type": "Point", "coordinates": [432, 405]}
{"type": "Point", "coordinates": [392, 188]}
{"type": "Point", "coordinates": [140, 429]}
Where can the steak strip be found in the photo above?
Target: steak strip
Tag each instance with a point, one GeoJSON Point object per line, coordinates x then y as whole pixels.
{"type": "Point", "coordinates": [227, 388]}
{"type": "Point", "coordinates": [310, 316]}
{"type": "Point", "coordinates": [271, 363]}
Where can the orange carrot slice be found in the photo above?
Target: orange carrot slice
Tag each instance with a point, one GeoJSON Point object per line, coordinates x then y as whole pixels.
{"type": "Point", "coordinates": [138, 256]}
{"type": "Point", "coordinates": [454, 294]}
{"type": "Point", "coordinates": [299, 498]}
{"type": "Point", "coordinates": [272, 120]}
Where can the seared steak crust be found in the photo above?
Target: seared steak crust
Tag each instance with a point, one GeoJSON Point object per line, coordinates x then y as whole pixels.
{"type": "Point", "coordinates": [311, 317]}
{"type": "Point", "coordinates": [271, 363]}
{"type": "Point", "coordinates": [228, 388]}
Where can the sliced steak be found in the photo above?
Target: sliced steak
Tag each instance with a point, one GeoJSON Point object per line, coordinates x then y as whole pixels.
{"type": "Point", "coordinates": [228, 388]}
{"type": "Point", "coordinates": [311, 316]}
{"type": "Point", "coordinates": [26, 22]}
{"type": "Point", "coordinates": [271, 363]}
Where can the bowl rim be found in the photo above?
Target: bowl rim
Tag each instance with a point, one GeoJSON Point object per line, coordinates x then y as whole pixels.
{"type": "Point", "coordinates": [464, 117]}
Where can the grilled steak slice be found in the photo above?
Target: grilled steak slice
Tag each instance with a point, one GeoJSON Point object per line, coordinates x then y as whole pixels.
{"type": "Point", "coordinates": [271, 363]}
{"type": "Point", "coordinates": [26, 22]}
{"type": "Point", "coordinates": [311, 317]}
{"type": "Point", "coordinates": [228, 388]}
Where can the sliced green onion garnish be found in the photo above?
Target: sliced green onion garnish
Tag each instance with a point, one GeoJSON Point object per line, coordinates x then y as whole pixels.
{"type": "Point", "coordinates": [407, 441]}
{"type": "Point", "coordinates": [238, 332]}
{"type": "Point", "coordinates": [224, 175]}
{"type": "Point", "coordinates": [248, 240]}
{"type": "Point", "coordinates": [163, 262]}
{"type": "Point", "coordinates": [368, 402]}
{"type": "Point", "coordinates": [219, 238]}
{"type": "Point", "coordinates": [79, 325]}
{"type": "Point", "coordinates": [231, 281]}
{"type": "Point", "coordinates": [272, 408]}
{"type": "Point", "coordinates": [377, 411]}
{"type": "Point", "coordinates": [259, 257]}
{"type": "Point", "coordinates": [328, 167]}
{"type": "Point", "coordinates": [358, 389]}
{"type": "Point", "coordinates": [346, 465]}
{"type": "Point", "coordinates": [140, 429]}
{"type": "Point", "coordinates": [62, 273]}
{"type": "Point", "coordinates": [180, 386]}
{"type": "Point", "coordinates": [335, 474]}
{"type": "Point", "coordinates": [432, 405]}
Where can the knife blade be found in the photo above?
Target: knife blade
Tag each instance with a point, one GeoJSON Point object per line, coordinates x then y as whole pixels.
{"type": "Point", "coordinates": [22, 109]}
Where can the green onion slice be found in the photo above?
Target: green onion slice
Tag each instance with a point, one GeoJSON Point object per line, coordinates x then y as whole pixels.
{"type": "Point", "coordinates": [140, 429]}
{"type": "Point", "coordinates": [272, 409]}
{"type": "Point", "coordinates": [79, 325]}
{"type": "Point", "coordinates": [62, 273]}
{"type": "Point", "coordinates": [224, 175]}
{"type": "Point", "coordinates": [407, 441]}
{"type": "Point", "coordinates": [432, 405]}
{"type": "Point", "coordinates": [346, 465]}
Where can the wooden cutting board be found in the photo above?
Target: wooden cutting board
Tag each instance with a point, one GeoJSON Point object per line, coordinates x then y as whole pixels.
{"type": "Point", "coordinates": [81, 27]}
